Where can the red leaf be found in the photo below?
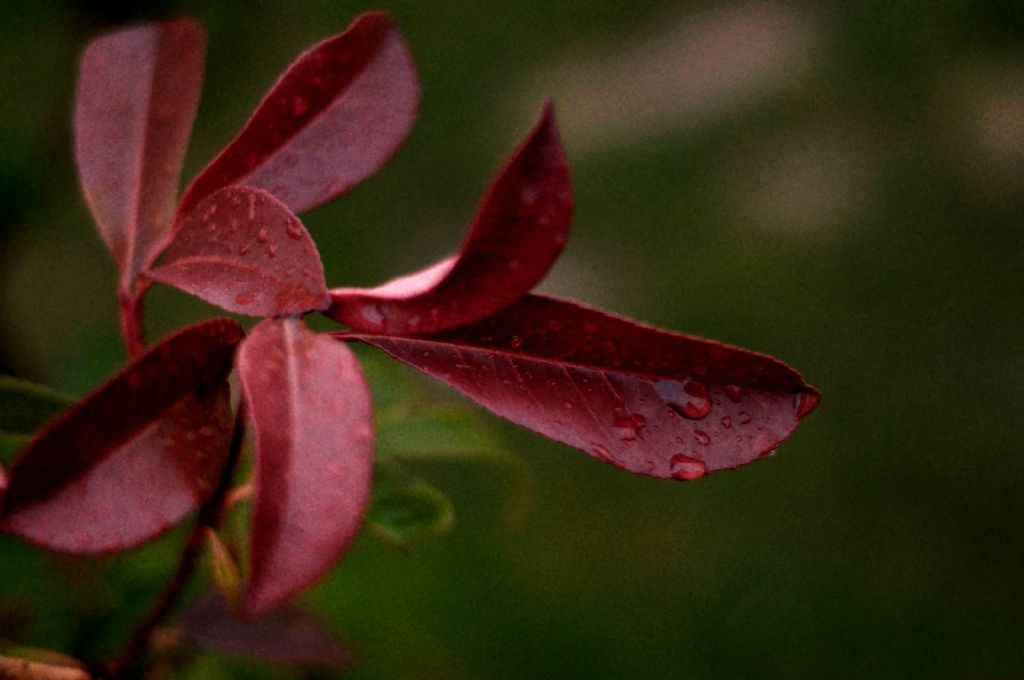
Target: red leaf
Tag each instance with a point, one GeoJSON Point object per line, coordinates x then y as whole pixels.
{"type": "Point", "coordinates": [138, 90]}
{"type": "Point", "coordinates": [516, 236]}
{"type": "Point", "coordinates": [311, 410]}
{"type": "Point", "coordinates": [643, 399]}
{"type": "Point", "coordinates": [335, 116]}
{"type": "Point", "coordinates": [136, 455]}
{"type": "Point", "coordinates": [245, 251]}
{"type": "Point", "coordinates": [289, 634]}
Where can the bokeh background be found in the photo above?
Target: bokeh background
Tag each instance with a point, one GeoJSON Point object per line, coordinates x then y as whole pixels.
{"type": "Point", "coordinates": [838, 184]}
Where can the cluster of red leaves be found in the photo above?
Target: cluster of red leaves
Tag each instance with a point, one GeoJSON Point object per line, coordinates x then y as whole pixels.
{"type": "Point", "coordinates": [139, 453]}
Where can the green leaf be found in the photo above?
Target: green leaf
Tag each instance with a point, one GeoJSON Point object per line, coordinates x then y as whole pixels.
{"type": "Point", "coordinates": [224, 569]}
{"type": "Point", "coordinates": [445, 432]}
{"type": "Point", "coordinates": [406, 509]}
{"type": "Point", "coordinates": [25, 406]}
{"type": "Point", "coordinates": [10, 444]}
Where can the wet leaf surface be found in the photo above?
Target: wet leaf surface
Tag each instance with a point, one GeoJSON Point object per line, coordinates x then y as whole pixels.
{"type": "Point", "coordinates": [138, 90]}
{"type": "Point", "coordinates": [332, 119]}
{"type": "Point", "coordinates": [312, 416]}
{"type": "Point", "coordinates": [243, 250]}
{"type": "Point", "coordinates": [517, 234]}
{"type": "Point", "coordinates": [133, 457]}
{"type": "Point", "coordinates": [646, 400]}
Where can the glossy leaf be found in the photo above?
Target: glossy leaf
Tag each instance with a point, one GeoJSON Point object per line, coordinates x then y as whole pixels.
{"type": "Point", "coordinates": [650, 401]}
{"type": "Point", "coordinates": [406, 509]}
{"type": "Point", "coordinates": [133, 457]}
{"type": "Point", "coordinates": [518, 232]}
{"type": "Point", "coordinates": [311, 411]}
{"type": "Point", "coordinates": [245, 251]}
{"type": "Point", "coordinates": [25, 406]}
{"type": "Point", "coordinates": [138, 90]}
{"type": "Point", "coordinates": [335, 116]}
{"type": "Point", "coordinates": [290, 634]}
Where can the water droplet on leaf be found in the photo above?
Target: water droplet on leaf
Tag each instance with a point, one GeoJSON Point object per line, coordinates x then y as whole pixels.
{"type": "Point", "coordinates": [686, 468]}
{"type": "Point", "coordinates": [294, 229]}
{"type": "Point", "coordinates": [689, 398]}
{"type": "Point", "coordinates": [805, 402]}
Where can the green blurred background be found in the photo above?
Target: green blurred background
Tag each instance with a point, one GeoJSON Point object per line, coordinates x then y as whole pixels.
{"type": "Point", "coordinates": [838, 184]}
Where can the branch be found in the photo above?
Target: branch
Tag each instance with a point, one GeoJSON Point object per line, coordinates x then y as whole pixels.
{"type": "Point", "coordinates": [209, 518]}
{"type": "Point", "coordinates": [130, 305]}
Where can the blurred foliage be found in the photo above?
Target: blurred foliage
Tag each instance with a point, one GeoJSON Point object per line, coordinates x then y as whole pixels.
{"type": "Point", "coordinates": [857, 214]}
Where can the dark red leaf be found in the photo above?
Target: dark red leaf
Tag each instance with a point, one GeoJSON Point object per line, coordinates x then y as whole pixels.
{"type": "Point", "coordinates": [335, 116]}
{"type": "Point", "coordinates": [518, 232]}
{"type": "Point", "coordinates": [245, 251]}
{"type": "Point", "coordinates": [290, 634]}
{"type": "Point", "coordinates": [311, 410]}
{"type": "Point", "coordinates": [135, 456]}
{"type": "Point", "coordinates": [138, 90]}
{"type": "Point", "coordinates": [643, 399]}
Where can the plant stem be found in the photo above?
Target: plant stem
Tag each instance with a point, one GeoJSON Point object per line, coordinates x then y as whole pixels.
{"type": "Point", "coordinates": [130, 304]}
{"type": "Point", "coordinates": [209, 518]}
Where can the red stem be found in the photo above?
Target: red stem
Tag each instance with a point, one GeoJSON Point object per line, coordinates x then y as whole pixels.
{"type": "Point", "coordinates": [210, 515]}
{"type": "Point", "coordinates": [130, 304]}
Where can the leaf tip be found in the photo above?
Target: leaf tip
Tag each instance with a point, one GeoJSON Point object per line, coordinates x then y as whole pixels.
{"type": "Point", "coordinates": [806, 402]}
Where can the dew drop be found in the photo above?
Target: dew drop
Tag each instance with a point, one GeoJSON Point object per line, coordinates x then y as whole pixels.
{"type": "Point", "coordinates": [299, 105]}
{"type": "Point", "coordinates": [734, 392]}
{"type": "Point", "coordinates": [262, 235]}
{"type": "Point", "coordinates": [516, 342]}
{"type": "Point", "coordinates": [702, 437]}
{"type": "Point", "coordinates": [244, 248]}
{"type": "Point", "coordinates": [744, 418]}
{"type": "Point", "coordinates": [602, 453]}
{"type": "Point", "coordinates": [294, 229]}
{"type": "Point", "coordinates": [805, 402]}
{"type": "Point", "coordinates": [633, 420]}
{"type": "Point", "coordinates": [628, 426]}
{"type": "Point", "coordinates": [686, 468]}
{"type": "Point", "coordinates": [689, 398]}
{"type": "Point", "coordinates": [245, 298]}
{"type": "Point", "coordinates": [726, 422]}
{"type": "Point", "coordinates": [271, 249]}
